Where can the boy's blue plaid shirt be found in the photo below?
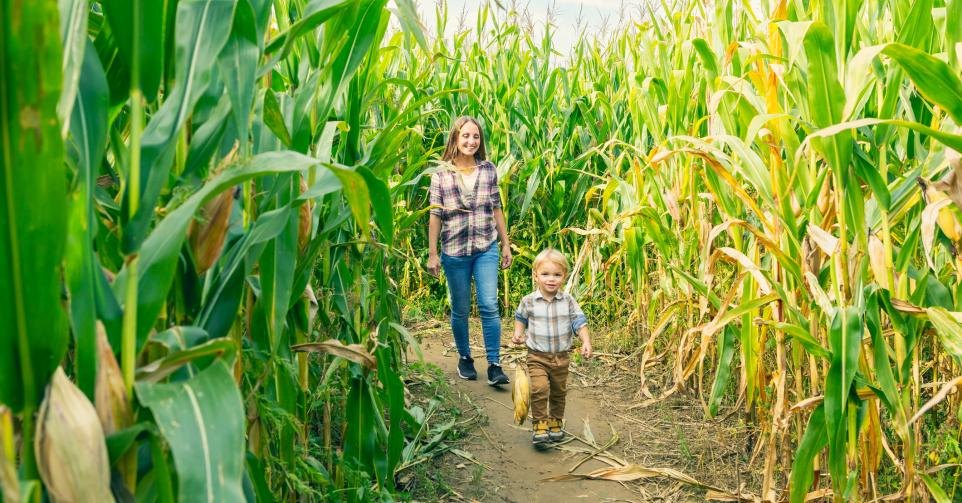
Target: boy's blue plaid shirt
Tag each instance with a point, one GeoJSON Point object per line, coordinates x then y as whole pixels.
{"type": "Point", "coordinates": [551, 324]}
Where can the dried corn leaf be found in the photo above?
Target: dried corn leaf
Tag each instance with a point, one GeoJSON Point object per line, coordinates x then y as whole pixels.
{"type": "Point", "coordinates": [952, 183]}
{"type": "Point", "coordinates": [825, 241]}
{"type": "Point", "coordinates": [948, 388]}
{"type": "Point", "coordinates": [628, 473]}
{"type": "Point", "coordinates": [352, 352]}
{"type": "Point", "coordinates": [930, 216]}
{"type": "Point", "coordinates": [903, 306]}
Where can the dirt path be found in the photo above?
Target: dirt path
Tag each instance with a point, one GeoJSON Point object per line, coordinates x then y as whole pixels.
{"type": "Point", "coordinates": [502, 466]}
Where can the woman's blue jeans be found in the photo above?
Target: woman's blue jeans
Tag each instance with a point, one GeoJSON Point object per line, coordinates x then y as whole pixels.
{"type": "Point", "coordinates": [484, 268]}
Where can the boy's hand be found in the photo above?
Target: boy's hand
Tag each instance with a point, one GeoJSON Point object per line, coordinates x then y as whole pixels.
{"type": "Point", "coordinates": [586, 350]}
{"type": "Point", "coordinates": [517, 339]}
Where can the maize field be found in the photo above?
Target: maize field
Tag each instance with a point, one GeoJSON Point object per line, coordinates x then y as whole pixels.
{"type": "Point", "coordinates": [214, 215]}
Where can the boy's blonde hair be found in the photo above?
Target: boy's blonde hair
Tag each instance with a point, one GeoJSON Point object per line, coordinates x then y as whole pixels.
{"type": "Point", "coordinates": [550, 255]}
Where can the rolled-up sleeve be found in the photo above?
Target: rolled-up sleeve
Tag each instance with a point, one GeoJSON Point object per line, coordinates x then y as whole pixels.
{"type": "Point", "coordinates": [521, 314]}
{"type": "Point", "coordinates": [578, 318]}
{"type": "Point", "coordinates": [495, 193]}
{"type": "Point", "coordinates": [435, 196]}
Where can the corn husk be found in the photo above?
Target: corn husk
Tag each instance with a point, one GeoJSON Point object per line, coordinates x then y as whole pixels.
{"type": "Point", "coordinates": [70, 447]}
{"type": "Point", "coordinates": [824, 197]}
{"type": "Point", "coordinates": [110, 396]}
{"type": "Point", "coordinates": [9, 483]}
{"type": "Point", "coordinates": [876, 260]}
{"type": "Point", "coordinates": [520, 394]}
{"type": "Point", "coordinates": [208, 232]}
{"type": "Point", "coordinates": [312, 305]}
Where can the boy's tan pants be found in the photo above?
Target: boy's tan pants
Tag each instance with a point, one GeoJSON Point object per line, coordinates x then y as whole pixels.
{"type": "Point", "coordinates": [548, 373]}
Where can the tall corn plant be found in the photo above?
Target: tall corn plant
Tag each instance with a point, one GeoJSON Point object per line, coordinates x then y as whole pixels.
{"type": "Point", "coordinates": [210, 232]}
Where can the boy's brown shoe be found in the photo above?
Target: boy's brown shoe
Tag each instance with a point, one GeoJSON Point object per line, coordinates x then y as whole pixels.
{"type": "Point", "coordinates": [555, 433]}
{"type": "Point", "coordinates": [540, 434]}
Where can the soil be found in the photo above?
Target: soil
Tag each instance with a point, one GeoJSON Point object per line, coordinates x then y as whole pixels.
{"type": "Point", "coordinates": [495, 461]}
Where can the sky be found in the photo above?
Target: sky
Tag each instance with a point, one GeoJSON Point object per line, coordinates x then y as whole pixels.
{"type": "Point", "coordinates": [594, 15]}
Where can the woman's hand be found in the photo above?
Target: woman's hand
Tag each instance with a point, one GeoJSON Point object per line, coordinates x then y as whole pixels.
{"type": "Point", "coordinates": [434, 265]}
{"type": "Point", "coordinates": [506, 257]}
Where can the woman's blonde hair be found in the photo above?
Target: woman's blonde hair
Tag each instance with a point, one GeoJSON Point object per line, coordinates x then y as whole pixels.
{"type": "Point", "coordinates": [451, 150]}
{"type": "Point", "coordinates": [550, 255]}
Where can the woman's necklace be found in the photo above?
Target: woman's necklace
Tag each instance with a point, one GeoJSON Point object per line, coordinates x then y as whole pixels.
{"type": "Point", "coordinates": [466, 170]}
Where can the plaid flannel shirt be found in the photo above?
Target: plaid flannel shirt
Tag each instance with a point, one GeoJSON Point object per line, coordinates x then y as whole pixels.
{"type": "Point", "coordinates": [551, 324]}
{"type": "Point", "coordinates": [467, 221]}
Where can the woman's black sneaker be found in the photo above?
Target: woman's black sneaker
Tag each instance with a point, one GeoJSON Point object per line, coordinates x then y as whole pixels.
{"type": "Point", "coordinates": [466, 368]}
{"type": "Point", "coordinates": [496, 375]}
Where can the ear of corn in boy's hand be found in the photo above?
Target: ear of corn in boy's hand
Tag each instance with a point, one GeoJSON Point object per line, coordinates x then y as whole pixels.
{"type": "Point", "coordinates": [520, 394]}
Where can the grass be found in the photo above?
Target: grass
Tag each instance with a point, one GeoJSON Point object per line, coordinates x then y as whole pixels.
{"type": "Point", "coordinates": [430, 479]}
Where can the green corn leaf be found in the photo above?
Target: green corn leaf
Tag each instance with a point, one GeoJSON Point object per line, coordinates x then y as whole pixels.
{"type": "Point", "coordinates": [394, 389]}
{"type": "Point", "coordinates": [794, 33]}
{"type": "Point", "coordinates": [381, 201]}
{"type": "Point", "coordinates": [86, 144]}
{"type": "Point", "coordinates": [953, 31]}
{"type": "Point", "coordinates": [947, 139]}
{"type": "Point", "coordinates": [257, 472]}
{"type": "Point", "coordinates": [33, 328]}
{"type": "Point", "coordinates": [274, 119]}
{"type": "Point", "coordinates": [202, 420]}
{"type": "Point", "coordinates": [949, 329]}
{"type": "Point", "coordinates": [812, 443]}
{"type": "Point", "coordinates": [179, 338]}
{"type": "Point", "coordinates": [917, 26]}
{"type": "Point", "coordinates": [357, 195]}
{"type": "Point", "coordinates": [73, 36]}
{"type": "Point", "coordinates": [406, 13]}
{"type": "Point", "coordinates": [220, 307]}
{"type": "Point", "coordinates": [158, 257]}
{"type": "Point", "coordinates": [277, 274]}
{"type": "Point", "coordinates": [160, 368]}
{"type": "Point", "coordinates": [238, 66]}
{"type": "Point", "coordinates": [705, 55]}
{"type": "Point", "coordinates": [316, 14]}
{"type": "Point", "coordinates": [803, 337]}
{"type": "Point", "coordinates": [118, 443]}
{"type": "Point", "coordinates": [145, 21]}
{"type": "Point", "coordinates": [883, 367]}
{"type": "Point", "coordinates": [359, 444]}
{"type": "Point", "coordinates": [845, 339]}
{"type": "Point", "coordinates": [726, 351]}
{"type": "Point", "coordinates": [938, 494]}
{"type": "Point", "coordinates": [203, 27]}
{"type": "Point", "coordinates": [932, 77]}
{"type": "Point", "coordinates": [824, 91]}
{"type": "Point", "coordinates": [206, 139]}
{"type": "Point", "coordinates": [163, 482]}
{"type": "Point", "coordinates": [361, 36]}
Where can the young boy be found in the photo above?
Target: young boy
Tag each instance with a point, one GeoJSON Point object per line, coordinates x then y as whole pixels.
{"type": "Point", "coordinates": [551, 317]}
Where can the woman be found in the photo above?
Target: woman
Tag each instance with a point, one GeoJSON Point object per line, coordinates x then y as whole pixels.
{"type": "Point", "coordinates": [466, 214]}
